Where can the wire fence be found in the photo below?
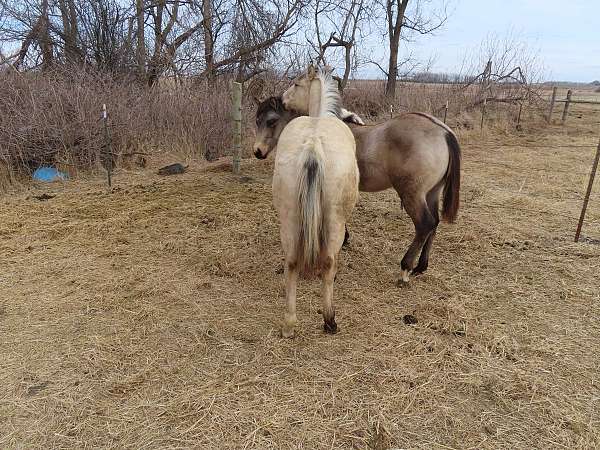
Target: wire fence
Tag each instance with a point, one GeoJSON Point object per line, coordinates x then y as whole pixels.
{"type": "Point", "coordinates": [573, 200]}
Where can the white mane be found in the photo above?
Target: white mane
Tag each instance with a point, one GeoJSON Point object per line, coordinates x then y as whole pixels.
{"type": "Point", "coordinates": [331, 102]}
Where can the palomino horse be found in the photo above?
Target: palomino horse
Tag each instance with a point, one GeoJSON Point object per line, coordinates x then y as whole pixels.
{"type": "Point", "coordinates": [315, 188]}
{"type": "Point", "coordinates": [416, 154]}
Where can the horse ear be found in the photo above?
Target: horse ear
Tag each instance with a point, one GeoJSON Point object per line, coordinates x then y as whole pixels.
{"type": "Point", "coordinates": [328, 69]}
{"type": "Point", "coordinates": [311, 72]}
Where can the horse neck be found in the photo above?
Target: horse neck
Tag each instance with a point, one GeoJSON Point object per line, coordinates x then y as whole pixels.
{"type": "Point", "coordinates": [314, 98]}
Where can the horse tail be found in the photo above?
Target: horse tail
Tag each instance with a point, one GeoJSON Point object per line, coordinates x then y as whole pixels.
{"type": "Point", "coordinates": [312, 236]}
{"type": "Point", "coordinates": [452, 180]}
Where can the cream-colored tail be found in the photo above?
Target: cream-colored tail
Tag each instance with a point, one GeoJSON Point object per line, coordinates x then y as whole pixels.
{"type": "Point", "coordinates": [312, 237]}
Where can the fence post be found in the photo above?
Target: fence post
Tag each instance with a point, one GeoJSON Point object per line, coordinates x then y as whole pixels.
{"type": "Point", "coordinates": [587, 193]}
{"type": "Point", "coordinates": [519, 116]}
{"type": "Point", "coordinates": [108, 159]}
{"type": "Point", "coordinates": [567, 104]}
{"type": "Point", "coordinates": [446, 111]}
{"type": "Point", "coordinates": [483, 112]}
{"type": "Point", "coordinates": [552, 100]}
{"type": "Point", "coordinates": [236, 114]}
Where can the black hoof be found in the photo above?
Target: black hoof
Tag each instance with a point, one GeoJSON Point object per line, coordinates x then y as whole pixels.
{"type": "Point", "coordinates": [330, 327]}
{"type": "Point", "coordinates": [421, 268]}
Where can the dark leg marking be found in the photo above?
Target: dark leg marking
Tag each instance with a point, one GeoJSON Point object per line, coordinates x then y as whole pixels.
{"type": "Point", "coordinates": [424, 224]}
{"type": "Point", "coordinates": [433, 198]}
{"type": "Point", "coordinates": [330, 327]}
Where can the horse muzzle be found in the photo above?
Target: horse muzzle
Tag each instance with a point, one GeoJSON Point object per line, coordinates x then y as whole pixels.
{"type": "Point", "coordinates": [259, 154]}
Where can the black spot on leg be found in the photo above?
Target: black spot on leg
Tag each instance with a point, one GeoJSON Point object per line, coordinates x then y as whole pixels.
{"type": "Point", "coordinates": [346, 237]}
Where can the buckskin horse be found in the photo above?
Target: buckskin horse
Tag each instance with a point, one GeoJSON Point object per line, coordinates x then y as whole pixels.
{"type": "Point", "coordinates": [315, 188]}
{"type": "Point", "coordinates": [414, 153]}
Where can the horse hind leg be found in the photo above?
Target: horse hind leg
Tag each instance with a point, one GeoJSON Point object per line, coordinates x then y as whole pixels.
{"type": "Point", "coordinates": [433, 202]}
{"type": "Point", "coordinates": [424, 223]}
{"type": "Point", "coordinates": [328, 277]}
{"type": "Point", "coordinates": [289, 318]}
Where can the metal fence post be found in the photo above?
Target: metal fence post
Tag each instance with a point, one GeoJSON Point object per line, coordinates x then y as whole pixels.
{"type": "Point", "coordinates": [588, 192]}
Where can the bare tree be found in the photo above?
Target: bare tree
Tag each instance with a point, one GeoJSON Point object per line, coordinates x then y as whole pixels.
{"type": "Point", "coordinates": [242, 32]}
{"type": "Point", "coordinates": [70, 30]}
{"type": "Point", "coordinates": [511, 71]}
{"type": "Point", "coordinates": [340, 24]}
{"type": "Point", "coordinates": [140, 16]}
{"type": "Point", "coordinates": [151, 38]}
{"type": "Point", "coordinates": [401, 21]}
{"type": "Point", "coordinates": [29, 24]}
{"type": "Point", "coordinates": [67, 31]}
{"type": "Point", "coordinates": [106, 36]}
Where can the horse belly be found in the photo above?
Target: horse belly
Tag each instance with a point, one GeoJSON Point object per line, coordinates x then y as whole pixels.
{"type": "Point", "coordinates": [373, 178]}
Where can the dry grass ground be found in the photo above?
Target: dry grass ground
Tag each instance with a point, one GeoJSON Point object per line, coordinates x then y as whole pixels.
{"type": "Point", "coordinates": [147, 317]}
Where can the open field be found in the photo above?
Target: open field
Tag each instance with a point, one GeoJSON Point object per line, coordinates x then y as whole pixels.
{"type": "Point", "coordinates": [147, 317]}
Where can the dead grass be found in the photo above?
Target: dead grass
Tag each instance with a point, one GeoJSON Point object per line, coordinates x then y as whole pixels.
{"type": "Point", "coordinates": [55, 119]}
{"type": "Point", "coordinates": [147, 317]}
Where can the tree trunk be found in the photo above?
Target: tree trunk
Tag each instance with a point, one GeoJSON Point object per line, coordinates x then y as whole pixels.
{"type": "Point", "coordinates": [348, 62]}
{"type": "Point", "coordinates": [141, 40]}
{"type": "Point", "coordinates": [394, 32]}
{"type": "Point", "coordinates": [392, 76]}
{"type": "Point", "coordinates": [45, 40]}
{"type": "Point", "coordinates": [209, 57]}
{"type": "Point", "coordinates": [68, 15]}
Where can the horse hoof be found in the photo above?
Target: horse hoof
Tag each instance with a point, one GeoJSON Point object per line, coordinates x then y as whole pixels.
{"type": "Point", "coordinates": [287, 332]}
{"type": "Point", "coordinates": [419, 270]}
{"type": "Point", "coordinates": [401, 283]}
{"type": "Point", "coordinates": [330, 327]}
{"type": "Point", "coordinates": [404, 278]}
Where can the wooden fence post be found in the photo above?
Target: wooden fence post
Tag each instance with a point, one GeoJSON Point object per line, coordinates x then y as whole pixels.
{"type": "Point", "coordinates": [519, 116]}
{"type": "Point", "coordinates": [446, 111]}
{"type": "Point", "coordinates": [483, 112]}
{"type": "Point", "coordinates": [587, 193]}
{"type": "Point", "coordinates": [567, 104]}
{"type": "Point", "coordinates": [552, 100]}
{"type": "Point", "coordinates": [236, 113]}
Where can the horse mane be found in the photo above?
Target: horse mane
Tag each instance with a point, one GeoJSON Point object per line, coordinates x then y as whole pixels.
{"type": "Point", "coordinates": [270, 104]}
{"type": "Point", "coordinates": [331, 101]}
{"type": "Point", "coordinates": [275, 104]}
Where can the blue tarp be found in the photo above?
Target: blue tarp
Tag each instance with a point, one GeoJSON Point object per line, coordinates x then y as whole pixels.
{"type": "Point", "coordinates": [49, 174]}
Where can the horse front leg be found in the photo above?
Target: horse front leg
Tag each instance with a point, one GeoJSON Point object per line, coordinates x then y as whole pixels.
{"type": "Point", "coordinates": [289, 318]}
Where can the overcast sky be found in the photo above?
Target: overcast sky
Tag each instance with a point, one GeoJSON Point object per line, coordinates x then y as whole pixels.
{"type": "Point", "coordinates": [565, 33]}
